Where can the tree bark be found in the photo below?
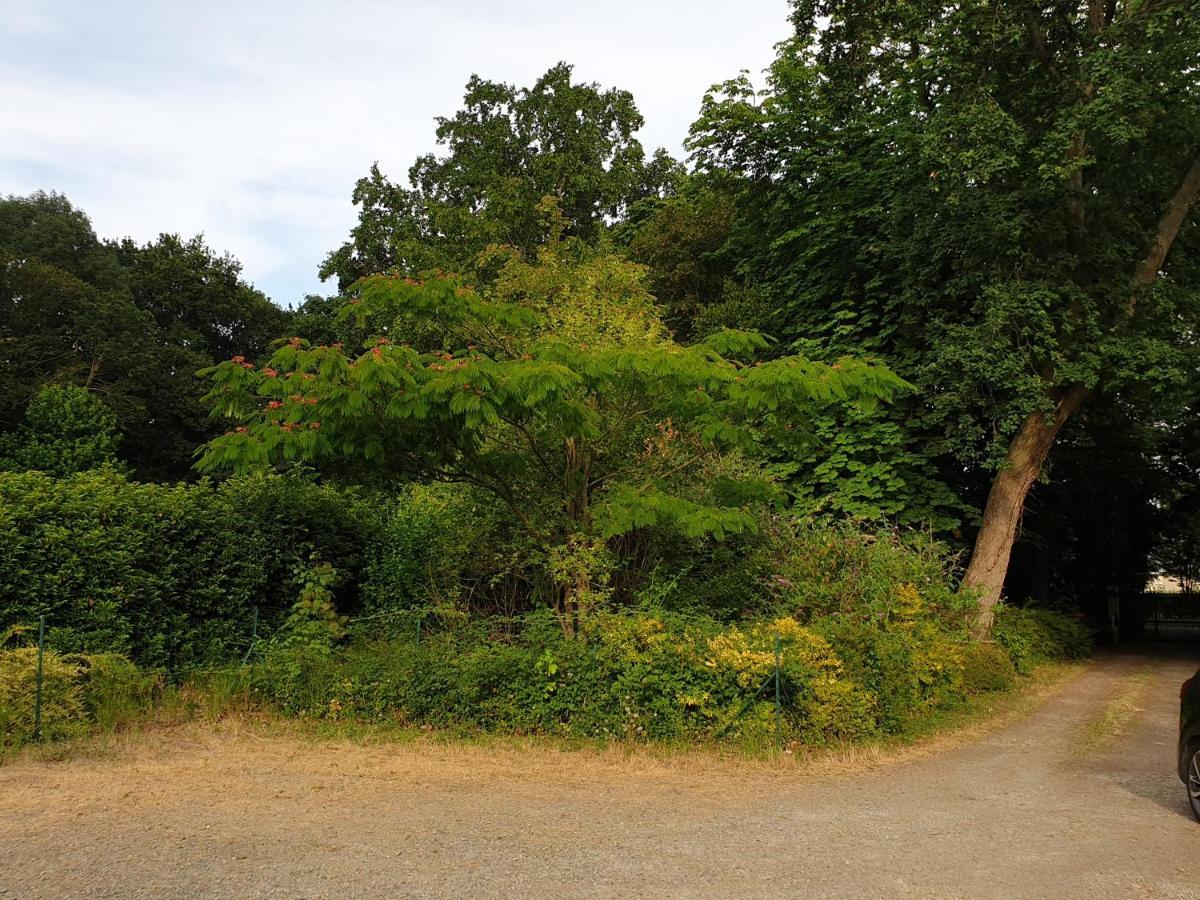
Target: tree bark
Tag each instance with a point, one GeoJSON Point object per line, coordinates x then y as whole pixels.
{"type": "Point", "coordinates": [1030, 448]}
{"type": "Point", "coordinates": [1006, 501]}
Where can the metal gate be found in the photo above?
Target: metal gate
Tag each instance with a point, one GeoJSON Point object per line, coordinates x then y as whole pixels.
{"type": "Point", "coordinates": [1160, 616]}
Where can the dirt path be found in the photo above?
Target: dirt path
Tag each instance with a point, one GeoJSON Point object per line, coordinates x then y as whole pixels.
{"type": "Point", "coordinates": [1052, 806]}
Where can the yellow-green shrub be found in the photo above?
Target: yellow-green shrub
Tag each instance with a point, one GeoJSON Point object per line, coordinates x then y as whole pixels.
{"type": "Point", "coordinates": [62, 702]}
{"type": "Point", "coordinates": [78, 691]}
{"type": "Point", "coordinates": [986, 668]}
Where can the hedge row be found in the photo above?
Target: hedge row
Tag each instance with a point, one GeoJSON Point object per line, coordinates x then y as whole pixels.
{"type": "Point", "coordinates": [170, 575]}
{"type": "Point", "coordinates": [661, 676]}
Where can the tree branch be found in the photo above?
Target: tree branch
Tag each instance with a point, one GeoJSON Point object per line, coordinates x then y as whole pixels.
{"type": "Point", "coordinates": [1169, 223]}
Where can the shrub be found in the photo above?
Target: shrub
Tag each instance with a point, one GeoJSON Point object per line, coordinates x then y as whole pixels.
{"type": "Point", "coordinates": [444, 544]}
{"type": "Point", "coordinates": [113, 690]}
{"type": "Point", "coordinates": [1033, 636]}
{"type": "Point", "coordinates": [882, 577]}
{"type": "Point", "coordinates": [78, 691]}
{"type": "Point", "coordinates": [987, 668]}
{"type": "Point", "coordinates": [168, 575]}
{"type": "Point", "coordinates": [632, 676]}
{"type": "Point", "coordinates": [67, 429]}
{"type": "Point", "coordinates": [62, 705]}
{"type": "Point", "coordinates": [911, 668]}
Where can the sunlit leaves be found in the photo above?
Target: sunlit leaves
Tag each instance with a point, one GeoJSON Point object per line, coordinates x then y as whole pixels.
{"type": "Point", "coordinates": [606, 426]}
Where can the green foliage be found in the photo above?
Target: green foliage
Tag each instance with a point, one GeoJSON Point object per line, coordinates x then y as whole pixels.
{"type": "Point", "coordinates": [78, 692]}
{"type": "Point", "coordinates": [975, 191]}
{"type": "Point", "coordinates": [909, 671]}
{"type": "Point", "coordinates": [62, 703]}
{"type": "Point", "coordinates": [198, 298]}
{"type": "Point", "coordinates": [314, 622]}
{"type": "Point", "coordinates": [886, 577]}
{"type": "Point", "coordinates": [556, 390]}
{"type": "Point", "coordinates": [168, 575]}
{"type": "Point", "coordinates": [447, 546]}
{"type": "Point", "coordinates": [682, 239]}
{"type": "Point", "coordinates": [66, 430]}
{"type": "Point", "coordinates": [978, 191]}
{"type": "Point", "coordinates": [1032, 636]}
{"type": "Point", "coordinates": [648, 676]}
{"type": "Point", "coordinates": [114, 691]}
{"type": "Point", "coordinates": [508, 148]}
{"type": "Point", "coordinates": [987, 668]}
{"type": "Point", "coordinates": [132, 324]}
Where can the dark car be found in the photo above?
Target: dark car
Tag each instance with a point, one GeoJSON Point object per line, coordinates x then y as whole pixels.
{"type": "Point", "coordinates": [1189, 739]}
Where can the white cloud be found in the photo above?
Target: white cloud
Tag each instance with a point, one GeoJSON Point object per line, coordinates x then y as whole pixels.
{"type": "Point", "coordinates": [250, 122]}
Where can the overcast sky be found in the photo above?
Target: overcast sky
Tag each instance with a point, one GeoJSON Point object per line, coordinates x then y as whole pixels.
{"type": "Point", "coordinates": [250, 121]}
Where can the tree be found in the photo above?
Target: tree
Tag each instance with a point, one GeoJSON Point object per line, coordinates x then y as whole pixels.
{"type": "Point", "coordinates": [66, 430]}
{"type": "Point", "coordinates": [557, 390]}
{"type": "Point", "coordinates": [198, 299]}
{"type": "Point", "coordinates": [681, 239]}
{"type": "Point", "coordinates": [130, 324]}
{"type": "Point", "coordinates": [988, 195]}
{"type": "Point", "coordinates": [507, 149]}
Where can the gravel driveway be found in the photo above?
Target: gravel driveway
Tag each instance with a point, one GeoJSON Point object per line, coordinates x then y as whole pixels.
{"type": "Point", "coordinates": [1051, 805]}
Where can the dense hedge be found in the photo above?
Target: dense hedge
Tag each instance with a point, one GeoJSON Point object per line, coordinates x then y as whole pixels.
{"type": "Point", "coordinates": [654, 676]}
{"type": "Point", "coordinates": [172, 576]}
{"type": "Point", "coordinates": [168, 574]}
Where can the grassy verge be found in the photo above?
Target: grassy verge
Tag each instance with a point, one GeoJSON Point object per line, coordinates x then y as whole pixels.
{"type": "Point", "coordinates": [220, 709]}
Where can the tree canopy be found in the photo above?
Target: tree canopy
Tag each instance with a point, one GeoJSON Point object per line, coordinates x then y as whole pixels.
{"type": "Point", "coordinates": [995, 197]}
{"type": "Point", "coordinates": [557, 389]}
{"type": "Point", "coordinates": [131, 324]}
{"type": "Point", "coordinates": [506, 150]}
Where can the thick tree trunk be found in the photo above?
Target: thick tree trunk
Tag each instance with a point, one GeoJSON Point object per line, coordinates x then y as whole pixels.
{"type": "Point", "coordinates": [1029, 449]}
{"type": "Point", "coordinates": [1002, 515]}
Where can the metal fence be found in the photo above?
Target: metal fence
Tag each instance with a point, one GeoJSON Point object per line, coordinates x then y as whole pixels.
{"type": "Point", "coordinates": [1160, 616]}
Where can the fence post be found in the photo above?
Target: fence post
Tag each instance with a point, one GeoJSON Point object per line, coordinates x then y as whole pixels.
{"type": "Point", "coordinates": [419, 617]}
{"type": "Point", "coordinates": [778, 705]}
{"type": "Point", "coordinates": [37, 697]}
{"type": "Point", "coordinates": [253, 637]}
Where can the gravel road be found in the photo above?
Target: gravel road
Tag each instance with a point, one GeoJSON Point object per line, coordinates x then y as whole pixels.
{"type": "Point", "coordinates": [1052, 805]}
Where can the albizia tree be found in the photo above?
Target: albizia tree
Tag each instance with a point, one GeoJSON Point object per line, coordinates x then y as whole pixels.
{"type": "Point", "coordinates": [558, 390]}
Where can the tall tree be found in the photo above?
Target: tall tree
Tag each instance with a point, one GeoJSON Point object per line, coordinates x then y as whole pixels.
{"type": "Point", "coordinates": [997, 196]}
{"type": "Point", "coordinates": [130, 324]}
{"type": "Point", "coordinates": [506, 150]}
{"type": "Point", "coordinates": [198, 298]}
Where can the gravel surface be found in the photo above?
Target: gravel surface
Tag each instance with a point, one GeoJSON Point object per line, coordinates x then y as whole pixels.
{"type": "Point", "coordinates": [1052, 805]}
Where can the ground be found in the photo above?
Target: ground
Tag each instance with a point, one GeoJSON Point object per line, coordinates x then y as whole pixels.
{"type": "Point", "coordinates": [1076, 798]}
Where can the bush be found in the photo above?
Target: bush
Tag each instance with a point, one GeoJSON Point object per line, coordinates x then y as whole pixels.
{"type": "Point", "coordinates": [1032, 636]}
{"type": "Point", "coordinates": [113, 690]}
{"type": "Point", "coordinates": [62, 702]}
{"type": "Point", "coordinates": [910, 669]}
{"type": "Point", "coordinates": [168, 575]}
{"type": "Point", "coordinates": [633, 676]}
{"type": "Point", "coordinates": [449, 546]}
{"type": "Point", "coordinates": [885, 577]}
{"type": "Point", "coordinates": [987, 668]}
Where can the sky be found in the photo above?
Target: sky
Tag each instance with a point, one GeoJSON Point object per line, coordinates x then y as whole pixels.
{"type": "Point", "coordinates": [250, 121]}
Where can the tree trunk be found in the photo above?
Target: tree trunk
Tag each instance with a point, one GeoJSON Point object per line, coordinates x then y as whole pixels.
{"type": "Point", "coordinates": [1029, 449]}
{"type": "Point", "coordinates": [1002, 515]}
